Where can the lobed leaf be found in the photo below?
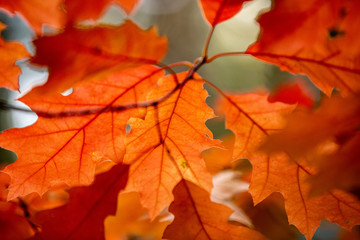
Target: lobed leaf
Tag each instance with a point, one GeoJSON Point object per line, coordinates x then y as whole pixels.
{"type": "Point", "coordinates": [252, 119]}
{"type": "Point", "coordinates": [166, 146]}
{"type": "Point", "coordinates": [83, 217]}
{"type": "Point", "coordinates": [333, 145]}
{"type": "Point", "coordinates": [95, 52]}
{"type": "Point", "coordinates": [321, 54]}
{"type": "Point", "coordinates": [9, 54]}
{"type": "Point", "coordinates": [132, 219]}
{"type": "Point", "coordinates": [67, 147]}
{"type": "Point", "coordinates": [37, 12]}
{"type": "Point", "coordinates": [196, 217]}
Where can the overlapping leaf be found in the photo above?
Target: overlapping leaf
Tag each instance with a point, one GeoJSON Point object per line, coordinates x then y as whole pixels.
{"type": "Point", "coordinates": [37, 12]}
{"type": "Point", "coordinates": [159, 163]}
{"type": "Point", "coordinates": [252, 119]}
{"type": "Point", "coordinates": [67, 149]}
{"type": "Point", "coordinates": [132, 219]}
{"type": "Point", "coordinates": [269, 216]}
{"type": "Point", "coordinates": [333, 144]}
{"type": "Point", "coordinates": [199, 218]}
{"type": "Point", "coordinates": [83, 217]}
{"type": "Point", "coordinates": [9, 54]}
{"type": "Point", "coordinates": [296, 47]}
{"type": "Point", "coordinates": [88, 53]}
{"type": "Point", "coordinates": [305, 212]}
{"type": "Point", "coordinates": [218, 11]}
{"type": "Point", "coordinates": [13, 221]}
{"type": "Point", "coordinates": [92, 9]}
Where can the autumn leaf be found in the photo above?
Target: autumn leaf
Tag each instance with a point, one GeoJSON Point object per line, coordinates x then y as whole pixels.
{"type": "Point", "coordinates": [334, 120]}
{"type": "Point", "coordinates": [328, 176]}
{"type": "Point", "coordinates": [333, 128]}
{"type": "Point", "coordinates": [218, 11]}
{"type": "Point", "coordinates": [294, 92]}
{"type": "Point", "coordinates": [294, 46]}
{"type": "Point", "coordinates": [199, 218]}
{"type": "Point", "coordinates": [252, 119]}
{"type": "Point", "coordinates": [158, 164]}
{"type": "Point", "coordinates": [218, 159]}
{"type": "Point", "coordinates": [10, 53]}
{"type": "Point", "coordinates": [83, 217]}
{"type": "Point", "coordinates": [132, 219]}
{"type": "Point", "coordinates": [95, 52]}
{"type": "Point", "coordinates": [66, 148]}
{"type": "Point", "coordinates": [37, 12]}
{"type": "Point", "coordinates": [278, 174]}
{"type": "Point", "coordinates": [13, 221]}
{"type": "Point", "coordinates": [268, 217]}
{"type": "Point", "coordinates": [78, 11]}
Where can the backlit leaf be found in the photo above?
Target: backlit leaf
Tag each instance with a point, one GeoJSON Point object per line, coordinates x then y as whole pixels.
{"type": "Point", "coordinates": [288, 40]}
{"type": "Point", "coordinates": [157, 166]}
{"type": "Point", "coordinates": [196, 217]}
{"type": "Point", "coordinates": [95, 52]}
{"type": "Point", "coordinates": [9, 54]}
{"type": "Point", "coordinates": [333, 144]}
{"type": "Point", "coordinates": [252, 119]}
{"type": "Point", "coordinates": [37, 12]}
{"type": "Point", "coordinates": [67, 149]}
{"type": "Point", "coordinates": [132, 219]}
{"type": "Point", "coordinates": [92, 9]}
{"type": "Point", "coordinates": [83, 217]}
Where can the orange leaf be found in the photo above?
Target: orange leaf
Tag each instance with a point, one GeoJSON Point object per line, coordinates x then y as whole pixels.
{"type": "Point", "coordinates": [67, 149]}
{"type": "Point", "coordinates": [332, 146]}
{"type": "Point", "coordinates": [90, 53]}
{"type": "Point", "coordinates": [269, 216]}
{"type": "Point", "coordinates": [37, 12]}
{"type": "Point", "coordinates": [157, 166]}
{"type": "Point", "coordinates": [196, 217]}
{"type": "Point", "coordinates": [295, 47]}
{"type": "Point", "coordinates": [335, 119]}
{"type": "Point", "coordinates": [92, 9]}
{"type": "Point", "coordinates": [218, 159]}
{"type": "Point", "coordinates": [83, 217]}
{"type": "Point", "coordinates": [252, 119]}
{"type": "Point", "coordinates": [132, 219]}
{"type": "Point", "coordinates": [278, 174]}
{"type": "Point", "coordinates": [218, 11]}
{"type": "Point", "coordinates": [9, 54]}
{"type": "Point", "coordinates": [345, 158]}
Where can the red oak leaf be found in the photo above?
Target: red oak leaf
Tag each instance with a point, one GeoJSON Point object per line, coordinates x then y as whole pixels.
{"type": "Point", "coordinates": [252, 119]}
{"type": "Point", "coordinates": [159, 164]}
{"type": "Point", "coordinates": [296, 47]}
{"type": "Point", "coordinates": [37, 12]}
{"type": "Point", "coordinates": [199, 218]}
{"type": "Point", "coordinates": [333, 144]}
{"type": "Point", "coordinates": [9, 54]}
{"type": "Point", "coordinates": [83, 217]}
{"type": "Point", "coordinates": [132, 219]}
{"type": "Point", "coordinates": [107, 50]}
{"type": "Point", "coordinates": [92, 9]}
{"type": "Point", "coordinates": [85, 129]}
